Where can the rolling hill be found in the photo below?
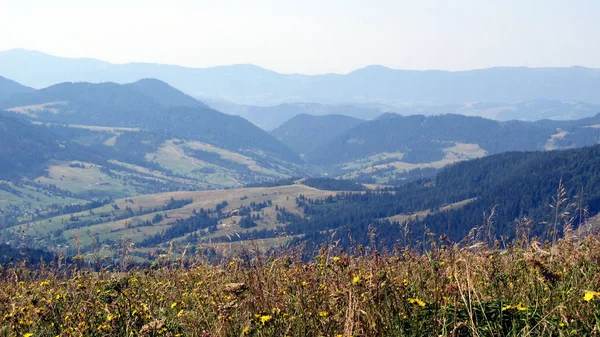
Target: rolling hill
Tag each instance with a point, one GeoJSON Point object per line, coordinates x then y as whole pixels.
{"type": "Point", "coordinates": [305, 133]}
{"type": "Point", "coordinates": [9, 88]}
{"type": "Point", "coordinates": [271, 117]}
{"type": "Point", "coordinates": [149, 105]}
{"type": "Point", "coordinates": [248, 84]}
{"type": "Point", "coordinates": [420, 139]}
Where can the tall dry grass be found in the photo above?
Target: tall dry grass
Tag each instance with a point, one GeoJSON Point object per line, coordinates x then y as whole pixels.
{"type": "Point", "coordinates": [525, 289]}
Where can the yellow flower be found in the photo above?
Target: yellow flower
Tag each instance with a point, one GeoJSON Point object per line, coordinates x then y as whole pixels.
{"type": "Point", "coordinates": [180, 313]}
{"type": "Point", "coordinates": [44, 283]}
{"type": "Point", "coordinates": [416, 301]}
{"type": "Point", "coordinates": [304, 283]}
{"type": "Point", "coordinates": [356, 280]}
{"type": "Point", "coordinates": [323, 314]}
{"type": "Point", "coordinates": [28, 335]}
{"type": "Point", "coordinates": [336, 259]}
{"type": "Point", "coordinates": [173, 305]}
{"type": "Point", "coordinates": [520, 307]}
{"type": "Point", "coordinates": [589, 295]}
{"type": "Point", "coordinates": [265, 318]}
{"type": "Point", "coordinates": [405, 282]}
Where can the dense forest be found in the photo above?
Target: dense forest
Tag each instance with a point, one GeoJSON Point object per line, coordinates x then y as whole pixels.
{"type": "Point", "coordinates": [541, 193]}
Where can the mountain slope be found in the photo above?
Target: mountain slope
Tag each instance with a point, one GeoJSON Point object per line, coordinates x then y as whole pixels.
{"type": "Point", "coordinates": [147, 104]}
{"type": "Point", "coordinates": [461, 199]}
{"type": "Point", "coordinates": [247, 84]}
{"type": "Point", "coordinates": [421, 139]}
{"type": "Point", "coordinates": [9, 88]}
{"type": "Point", "coordinates": [164, 94]}
{"type": "Point", "coordinates": [305, 133]}
{"type": "Point", "coordinates": [25, 149]}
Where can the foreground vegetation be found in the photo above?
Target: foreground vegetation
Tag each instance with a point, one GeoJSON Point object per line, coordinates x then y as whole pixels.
{"type": "Point", "coordinates": [525, 289]}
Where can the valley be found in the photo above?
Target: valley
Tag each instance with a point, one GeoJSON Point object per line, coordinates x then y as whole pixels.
{"type": "Point", "coordinates": [157, 168]}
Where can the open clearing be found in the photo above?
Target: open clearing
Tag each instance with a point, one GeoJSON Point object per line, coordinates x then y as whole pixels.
{"type": "Point", "coordinates": [88, 179]}
{"type": "Point", "coordinates": [453, 154]}
{"type": "Point", "coordinates": [32, 110]}
{"type": "Point", "coordinates": [282, 196]}
{"type": "Point", "coordinates": [551, 143]}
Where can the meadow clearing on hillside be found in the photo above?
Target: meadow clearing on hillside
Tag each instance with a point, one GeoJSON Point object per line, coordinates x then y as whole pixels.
{"type": "Point", "coordinates": [123, 218]}
{"type": "Point", "coordinates": [526, 289]}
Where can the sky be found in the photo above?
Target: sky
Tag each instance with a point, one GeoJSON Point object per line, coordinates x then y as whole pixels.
{"type": "Point", "coordinates": [311, 36]}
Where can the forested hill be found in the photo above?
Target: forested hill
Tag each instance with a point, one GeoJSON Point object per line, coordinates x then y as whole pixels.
{"type": "Point", "coordinates": [514, 185]}
{"type": "Point", "coordinates": [423, 138]}
{"type": "Point", "coordinates": [148, 104]}
{"type": "Point", "coordinates": [305, 133]}
{"type": "Point", "coordinates": [26, 148]}
{"type": "Point", "coordinates": [9, 88]}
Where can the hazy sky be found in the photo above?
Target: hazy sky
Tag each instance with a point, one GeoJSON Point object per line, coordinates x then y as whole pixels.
{"type": "Point", "coordinates": [311, 36]}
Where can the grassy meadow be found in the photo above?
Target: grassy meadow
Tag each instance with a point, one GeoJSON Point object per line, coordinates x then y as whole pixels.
{"type": "Point", "coordinates": [475, 289]}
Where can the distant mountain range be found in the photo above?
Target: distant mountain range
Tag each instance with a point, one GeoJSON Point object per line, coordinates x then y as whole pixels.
{"type": "Point", "coordinates": [252, 85]}
{"type": "Point", "coordinates": [152, 125]}
{"type": "Point", "coordinates": [531, 110]}
{"type": "Point", "coordinates": [271, 117]}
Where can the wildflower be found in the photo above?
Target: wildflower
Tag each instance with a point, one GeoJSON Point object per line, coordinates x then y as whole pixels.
{"type": "Point", "coordinates": [520, 307]}
{"type": "Point", "coordinates": [405, 282]}
{"type": "Point", "coordinates": [180, 313]}
{"type": "Point", "coordinates": [356, 280]}
{"type": "Point", "coordinates": [323, 314]}
{"type": "Point", "coordinates": [416, 301]}
{"type": "Point", "coordinates": [103, 327]}
{"type": "Point", "coordinates": [265, 318]}
{"type": "Point", "coordinates": [304, 283]}
{"type": "Point", "coordinates": [336, 258]}
{"type": "Point", "coordinates": [44, 283]}
{"type": "Point", "coordinates": [28, 335]}
{"type": "Point", "coordinates": [589, 295]}
{"type": "Point", "coordinates": [173, 305]}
